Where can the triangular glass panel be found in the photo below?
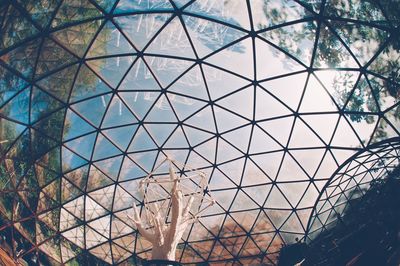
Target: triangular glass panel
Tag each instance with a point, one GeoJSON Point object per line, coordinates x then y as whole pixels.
{"type": "Point", "coordinates": [172, 40]}
{"type": "Point", "coordinates": [288, 89]}
{"type": "Point", "coordinates": [302, 136]}
{"type": "Point", "coordinates": [75, 126]}
{"type": "Point", "coordinates": [145, 159]}
{"type": "Point", "coordinates": [141, 141]}
{"type": "Point", "coordinates": [184, 106]}
{"type": "Point", "coordinates": [268, 163]}
{"type": "Point", "coordinates": [221, 83]}
{"type": "Point", "coordinates": [191, 84]}
{"type": "Point", "coordinates": [363, 41]}
{"type": "Point", "coordinates": [51, 218]}
{"type": "Point", "coordinates": [69, 191]}
{"type": "Point", "coordinates": [236, 58]}
{"type": "Point", "coordinates": [41, 144]}
{"type": "Point", "coordinates": [53, 190]}
{"type": "Point", "coordinates": [344, 135]}
{"type": "Point", "coordinates": [277, 217]}
{"type": "Point", "coordinates": [239, 138]}
{"type": "Point", "coordinates": [75, 207]}
{"type": "Point", "coordinates": [119, 254]}
{"type": "Point", "coordinates": [139, 78]}
{"type": "Point", "coordinates": [161, 111]}
{"type": "Point", "coordinates": [10, 85]}
{"type": "Point", "coordinates": [87, 84]}
{"type": "Point", "coordinates": [97, 179]}
{"type": "Point", "coordinates": [16, 27]}
{"type": "Point", "coordinates": [52, 57]}
{"type": "Point", "coordinates": [117, 114]}
{"type": "Point", "coordinates": [104, 196]}
{"type": "Point", "coordinates": [139, 102]}
{"type": "Point", "coordinates": [265, 15]}
{"type": "Point", "coordinates": [267, 106]}
{"type": "Point", "coordinates": [292, 37]}
{"type": "Point", "coordinates": [109, 41]}
{"type": "Point", "coordinates": [309, 197]}
{"type": "Point", "coordinates": [224, 197]}
{"type": "Point", "coordinates": [316, 98]}
{"type": "Point", "coordinates": [59, 84]}
{"type": "Point", "coordinates": [331, 53]}
{"type": "Point", "coordinates": [271, 62]}
{"type": "Point", "coordinates": [196, 136]}
{"type": "Point", "coordinates": [365, 127]}
{"type": "Point", "coordinates": [291, 171]}
{"type": "Point", "coordinates": [226, 152]}
{"type": "Point", "coordinates": [18, 107]}
{"type": "Point", "coordinates": [122, 199]}
{"type": "Point", "coordinates": [111, 69]}
{"type": "Point", "coordinates": [92, 209]}
{"type": "Point", "coordinates": [339, 84]}
{"type": "Point", "coordinates": [177, 140]}
{"type": "Point", "coordinates": [189, 255]}
{"type": "Point", "coordinates": [227, 120]}
{"type": "Point", "coordinates": [71, 160]}
{"type": "Point", "coordinates": [261, 142]}
{"type": "Point", "coordinates": [279, 129]}
{"type": "Point", "coordinates": [167, 70]}
{"type": "Point", "coordinates": [78, 177]}
{"type": "Point", "coordinates": [256, 193]}
{"type": "Point", "coordinates": [361, 99]}
{"type": "Point", "coordinates": [110, 167]}
{"type": "Point", "coordinates": [233, 169]}
{"type": "Point", "coordinates": [146, 5]}
{"type": "Point", "coordinates": [253, 175]}
{"type": "Point", "coordinates": [71, 11]}
{"type": "Point", "coordinates": [93, 109]}
{"type": "Point", "coordinates": [219, 180]}
{"type": "Point", "coordinates": [42, 104]}
{"type": "Point", "coordinates": [323, 124]}
{"type": "Point", "coordinates": [104, 148]}
{"type": "Point", "coordinates": [76, 236]}
{"type": "Point", "coordinates": [121, 136]}
{"type": "Point", "coordinates": [263, 225]}
{"type": "Point", "coordinates": [276, 200]}
{"type": "Point", "coordinates": [83, 146]}
{"type": "Point", "coordinates": [231, 13]}
{"type": "Point", "coordinates": [241, 102]}
{"type": "Point", "coordinates": [9, 136]}
{"type": "Point", "coordinates": [23, 58]}
{"type": "Point", "coordinates": [203, 248]}
{"type": "Point", "coordinates": [355, 9]}
{"type": "Point", "coordinates": [78, 37]}
{"type": "Point", "coordinates": [130, 170]}
{"type": "Point", "coordinates": [141, 28]}
{"type": "Point", "coordinates": [309, 159]}
{"type": "Point", "coordinates": [196, 161]}
{"type": "Point", "coordinates": [294, 191]}
{"type": "Point", "coordinates": [210, 36]}
{"type": "Point", "coordinates": [203, 120]}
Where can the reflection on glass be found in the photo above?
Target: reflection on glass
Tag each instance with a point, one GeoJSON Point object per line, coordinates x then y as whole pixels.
{"type": "Point", "coordinates": [266, 97]}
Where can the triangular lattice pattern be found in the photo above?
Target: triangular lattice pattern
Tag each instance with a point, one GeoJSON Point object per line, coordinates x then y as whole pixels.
{"type": "Point", "coordinates": [267, 97]}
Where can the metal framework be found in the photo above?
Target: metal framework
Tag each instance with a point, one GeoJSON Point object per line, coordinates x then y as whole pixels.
{"type": "Point", "coordinates": [266, 97]}
{"type": "Point", "coordinates": [351, 181]}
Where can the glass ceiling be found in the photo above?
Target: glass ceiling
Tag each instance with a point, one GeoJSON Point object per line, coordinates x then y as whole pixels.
{"type": "Point", "coordinates": [267, 97]}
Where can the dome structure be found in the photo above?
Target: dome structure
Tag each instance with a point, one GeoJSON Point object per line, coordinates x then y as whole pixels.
{"type": "Point", "coordinates": [267, 97]}
{"type": "Point", "coordinates": [350, 182]}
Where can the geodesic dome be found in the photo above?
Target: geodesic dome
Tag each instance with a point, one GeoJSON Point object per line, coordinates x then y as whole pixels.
{"type": "Point", "coordinates": [350, 182]}
{"type": "Point", "coordinates": [267, 97]}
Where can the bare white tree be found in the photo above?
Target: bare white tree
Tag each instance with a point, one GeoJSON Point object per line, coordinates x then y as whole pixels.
{"type": "Point", "coordinates": [165, 237]}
